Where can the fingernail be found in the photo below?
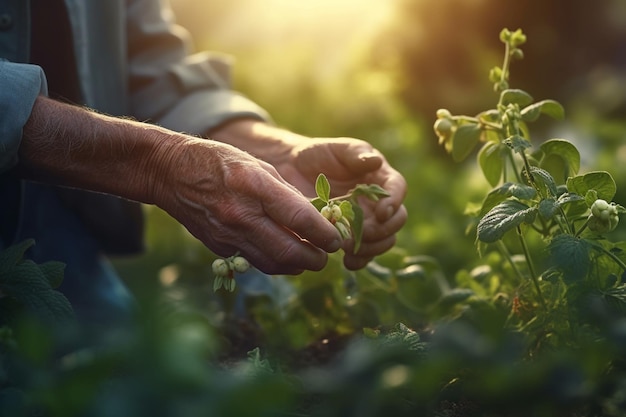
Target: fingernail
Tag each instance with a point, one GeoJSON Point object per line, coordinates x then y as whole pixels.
{"type": "Point", "coordinates": [367, 155]}
{"type": "Point", "coordinates": [335, 245]}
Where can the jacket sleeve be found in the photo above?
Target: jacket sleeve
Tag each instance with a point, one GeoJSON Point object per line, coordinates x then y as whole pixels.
{"type": "Point", "coordinates": [168, 85]}
{"type": "Point", "coordinates": [20, 84]}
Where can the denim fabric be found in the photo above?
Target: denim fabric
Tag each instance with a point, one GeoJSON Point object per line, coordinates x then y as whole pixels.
{"type": "Point", "coordinates": [98, 296]}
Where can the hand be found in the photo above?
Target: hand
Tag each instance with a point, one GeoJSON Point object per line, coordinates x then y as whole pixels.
{"type": "Point", "coordinates": [345, 162]}
{"type": "Point", "coordinates": [233, 202]}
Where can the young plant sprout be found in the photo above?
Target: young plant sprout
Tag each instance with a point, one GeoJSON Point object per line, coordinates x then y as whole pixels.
{"type": "Point", "coordinates": [343, 212]}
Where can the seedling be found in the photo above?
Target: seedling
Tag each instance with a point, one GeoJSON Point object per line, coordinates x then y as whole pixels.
{"type": "Point", "coordinates": [344, 211]}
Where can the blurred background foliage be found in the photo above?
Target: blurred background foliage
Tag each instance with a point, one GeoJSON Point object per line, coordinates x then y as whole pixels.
{"type": "Point", "coordinates": [378, 70]}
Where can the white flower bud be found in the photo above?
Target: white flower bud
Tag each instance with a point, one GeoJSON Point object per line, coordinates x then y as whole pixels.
{"type": "Point", "coordinates": [240, 264]}
{"type": "Point", "coordinates": [220, 267]}
{"type": "Point", "coordinates": [598, 206]}
{"type": "Point", "coordinates": [336, 212]}
{"type": "Point", "coordinates": [326, 212]}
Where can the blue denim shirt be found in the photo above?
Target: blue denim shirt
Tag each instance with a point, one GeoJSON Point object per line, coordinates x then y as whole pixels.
{"type": "Point", "coordinates": [131, 59]}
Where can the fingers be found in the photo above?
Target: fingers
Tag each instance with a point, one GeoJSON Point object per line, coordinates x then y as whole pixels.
{"type": "Point", "coordinates": [281, 251]}
{"type": "Point", "coordinates": [395, 184]}
{"type": "Point", "coordinates": [377, 239]}
{"type": "Point", "coordinates": [366, 253]}
{"type": "Point", "coordinates": [360, 158]}
{"type": "Point", "coordinates": [297, 214]}
{"type": "Point", "coordinates": [374, 230]}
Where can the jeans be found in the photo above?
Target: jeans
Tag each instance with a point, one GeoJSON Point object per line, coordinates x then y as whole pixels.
{"type": "Point", "coordinates": [99, 297]}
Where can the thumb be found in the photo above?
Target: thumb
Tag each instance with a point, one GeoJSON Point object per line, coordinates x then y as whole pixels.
{"type": "Point", "coordinates": [360, 159]}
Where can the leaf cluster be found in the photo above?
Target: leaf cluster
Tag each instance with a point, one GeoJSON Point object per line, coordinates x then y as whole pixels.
{"type": "Point", "coordinates": [350, 209]}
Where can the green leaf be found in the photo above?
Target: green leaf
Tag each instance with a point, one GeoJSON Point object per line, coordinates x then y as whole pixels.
{"type": "Point", "coordinates": [464, 140]}
{"type": "Point", "coordinates": [506, 190]}
{"type": "Point", "coordinates": [454, 296]}
{"type": "Point", "coordinates": [322, 188]}
{"type": "Point", "coordinates": [590, 197]}
{"type": "Point", "coordinates": [505, 216]}
{"type": "Point", "coordinates": [218, 282]}
{"type": "Point", "coordinates": [567, 198]}
{"type": "Point", "coordinates": [54, 272]}
{"type": "Point", "coordinates": [544, 180]}
{"type": "Point", "coordinates": [548, 107]}
{"type": "Point", "coordinates": [372, 191]}
{"type": "Point", "coordinates": [28, 285]}
{"type": "Point", "coordinates": [547, 208]}
{"type": "Point", "coordinates": [515, 96]}
{"type": "Point", "coordinates": [357, 227]}
{"type": "Point", "coordinates": [318, 203]}
{"type": "Point", "coordinates": [559, 157]}
{"type": "Point", "coordinates": [570, 255]}
{"type": "Point", "coordinates": [491, 163]}
{"type": "Point", "coordinates": [347, 209]}
{"type": "Point", "coordinates": [14, 254]}
{"type": "Point", "coordinates": [517, 143]}
{"type": "Point", "coordinates": [600, 181]}
{"type": "Point", "coordinates": [615, 299]}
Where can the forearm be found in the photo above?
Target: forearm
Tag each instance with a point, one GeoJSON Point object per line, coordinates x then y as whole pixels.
{"type": "Point", "coordinates": [70, 146]}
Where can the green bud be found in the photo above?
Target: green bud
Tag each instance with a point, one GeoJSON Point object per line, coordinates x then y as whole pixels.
{"type": "Point", "coordinates": [218, 282]}
{"type": "Point", "coordinates": [495, 74]}
{"type": "Point", "coordinates": [443, 114]}
{"type": "Point", "coordinates": [505, 35]}
{"type": "Point", "coordinates": [598, 207]}
{"type": "Point", "coordinates": [240, 264]}
{"type": "Point", "coordinates": [500, 86]}
{"type": "Point", "coordinates": [517, 54]}
{"type": "Point", "coordinates": [443, 127]}
{"type": "Point", "coordinates": [326, 212]}
{"type": "Point", "coordinates": [220, 267]}
{"type": "Point", "coordinates": [344, 231]}
{"type": "Point", "coordinates": [518, 38]}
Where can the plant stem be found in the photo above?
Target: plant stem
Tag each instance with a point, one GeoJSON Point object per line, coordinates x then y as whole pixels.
{"type": "Point", "coordinates": [531, 267]}
{"type": "Point", "coordinates": [510, 152]}
{"type": "Point", "coordinates": [610, 254]}
{"type": "Point", "coordinates": [507, 62]}
{"type": "Point", "coordinates": [582, 228]}
{"type": "Point", "coordinates": [509, 258]}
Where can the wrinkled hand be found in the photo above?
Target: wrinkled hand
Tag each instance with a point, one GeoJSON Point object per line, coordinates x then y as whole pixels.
{"type": "Point", "coordinates": [233, 202]}
{"type": "Point", "coordinates": [347, 162]}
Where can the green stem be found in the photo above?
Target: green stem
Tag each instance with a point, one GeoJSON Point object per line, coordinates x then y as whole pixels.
{"type": "Point", "coordinates": [506, 63]}
{"type": "Point", "coordinates": [531, 267]}
{"type": "Point", "coordinates": [582, 228]}
{"type": "Point", "coordinates": [610, 254]}
{"type": "Point", "coordinates": [509, 258]}
{"type": "Point", "coordinates": [512, 161]}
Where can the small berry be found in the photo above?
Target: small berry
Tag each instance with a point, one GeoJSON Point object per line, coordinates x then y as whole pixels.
{"type": "Point", "coordinates": [443, 127]}
{"type": "Point", "coordinates": [220, 267]}
{"type": "Point", "coordinates": [443, 114]}
{"type": "Point", "coordinates": [240, 264]}
{"type": "Point", "coordinates": [336, 212]}
{"type": "Point", "coordinates": [598, 207]}
{"type": "Point", "coordinates": [326, 212]}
